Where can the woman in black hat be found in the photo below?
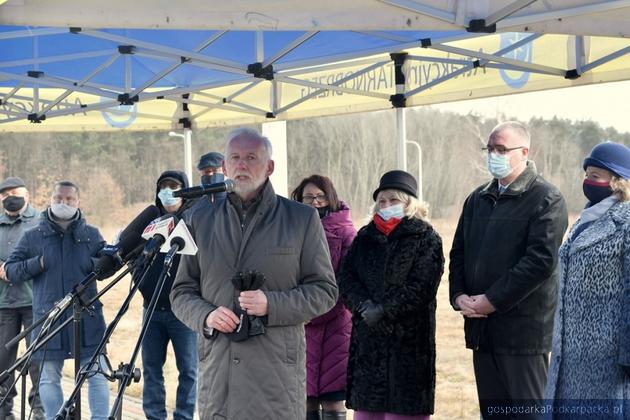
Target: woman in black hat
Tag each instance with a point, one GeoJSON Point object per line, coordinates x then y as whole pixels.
{"type": "Point", "coordinates": [389, 280]}
{"type": "Point", "coordinates": [590, 360]}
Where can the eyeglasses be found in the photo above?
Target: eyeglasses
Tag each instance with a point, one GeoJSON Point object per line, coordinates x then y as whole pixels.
{"type": "Point", "coordinates": [320, 198]}
{"type": "Point", "coordinates": [501, 150]}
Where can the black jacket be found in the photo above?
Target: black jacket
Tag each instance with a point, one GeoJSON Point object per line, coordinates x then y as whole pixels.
{"type": "Point", "coordinates": [393, 368]}
{"type": "Point", "coordinates": [506, 246]}
{"type": "Point", "coordinates": [153, 274]}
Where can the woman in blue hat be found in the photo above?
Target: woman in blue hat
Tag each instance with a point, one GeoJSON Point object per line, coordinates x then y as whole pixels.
{"type": "Point", "coordinates": [590, 360]}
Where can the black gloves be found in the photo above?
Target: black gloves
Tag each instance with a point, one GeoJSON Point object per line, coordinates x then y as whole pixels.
{"type": "Point", "coordinates": [371, 312]}
{"type": "Point", "coordinates": [249, 325]}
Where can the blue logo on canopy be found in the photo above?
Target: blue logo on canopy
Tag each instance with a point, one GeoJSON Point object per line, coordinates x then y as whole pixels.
{"type": "Point", "coordinates": [124, 118]}
{"type": "Point", "coordinates": [514, 78]}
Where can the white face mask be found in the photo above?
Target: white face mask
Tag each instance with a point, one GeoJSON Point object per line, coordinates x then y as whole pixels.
{"type": "Point", "coordinates": [499, 165]}
{"type": "Point", "coordinates": [396, 211]}
{"type": "Point", "coordinates": [63, 211]}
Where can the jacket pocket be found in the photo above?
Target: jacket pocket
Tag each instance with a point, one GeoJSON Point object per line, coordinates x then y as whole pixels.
{"type": "Point", "coordinates": [291, 344]}
{"type": "Point", "coordinates": [92, 325]}
{"type": "Point", "coordinates": [204, 347]}
{"type": "Point", "coordinates": [281, 250]}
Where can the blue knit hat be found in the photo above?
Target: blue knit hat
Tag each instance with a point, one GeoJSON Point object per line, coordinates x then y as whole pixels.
{"type": "Point", "coordinates": [614, 157]}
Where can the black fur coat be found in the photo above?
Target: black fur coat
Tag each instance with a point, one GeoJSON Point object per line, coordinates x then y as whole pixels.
{"type": "Point", "coordinates": [392, 366]}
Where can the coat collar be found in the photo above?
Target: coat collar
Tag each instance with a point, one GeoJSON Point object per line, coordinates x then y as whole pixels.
{"type": "Point", "coordinates": [29, 213]}
{"type": "Point", "coordinates": [76, 228]}
{"type": "Point", "coordinates": [521, 184]}
{"type": "Point", "coordinates": [603, 228]}
{"type": "Point", "coordinates": [408, 226]}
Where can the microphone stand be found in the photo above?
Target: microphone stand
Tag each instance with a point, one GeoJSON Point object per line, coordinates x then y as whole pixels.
{"type": "Point", "coordinates": [45, 336]}
{"type": "Point", "coordinates": [128, 370]}
{"type": "Point", "coordinates": [121, 373]}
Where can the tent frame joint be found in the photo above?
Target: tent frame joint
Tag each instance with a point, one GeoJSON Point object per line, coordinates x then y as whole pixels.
{"type": "Point", "coordinates": [126, 49]}
{"type": "Point", "coordinates": [425, 42]}
{"type": "Point", "coordinates": [35, 74]}
{"type": "Point", "coordinates": [572, 74]}
{"type": "Point", "coordinates": [260, 72]}
{"type": "Point", "coordinates": [125, 99]}
{"type": "Point", "coordinates": [398, 100]}
{"type": "Point", "coordinates": [36, 119]}
{"type": "Point", "coordinates": [75, 29]}
{"type": "Point", "coordinates": [270, 115]}
{"type": "Point", "coordinates": [479, 26]}
{"type": "Point", "coordinates": [185, 122]}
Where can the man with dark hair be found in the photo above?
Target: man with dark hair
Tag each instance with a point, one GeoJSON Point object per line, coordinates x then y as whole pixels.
{"type": "Point", "coordinates": [56, 255]}
{"type": "Point", "coordinates": [264, 258]}
{"type": "Point", "coordinates": [16, 299]}
{"type": "Point", "coordinates": [503, 275]}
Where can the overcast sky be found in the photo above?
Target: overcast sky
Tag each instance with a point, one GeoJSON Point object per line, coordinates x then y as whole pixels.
{"type": "Point", "coordinates": [607, 104]}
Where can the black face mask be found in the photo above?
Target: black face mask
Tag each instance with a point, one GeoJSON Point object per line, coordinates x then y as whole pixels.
{"type": "Point", "coordinates": [13, 203]}
{"type": "Point", "coordinates": [596, 191]}
{"type": "Point", "coordinates": [323, 211]}
{"type": "Point", "coordinates": [212, 179]}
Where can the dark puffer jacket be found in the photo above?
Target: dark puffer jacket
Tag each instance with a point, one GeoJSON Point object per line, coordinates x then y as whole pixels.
{"type": "Point", "coordinates": [69, 256]}
{"type": "Point", "coordinates": [393, 370]}
{"type": "Point", "coordinates": [506, 246]}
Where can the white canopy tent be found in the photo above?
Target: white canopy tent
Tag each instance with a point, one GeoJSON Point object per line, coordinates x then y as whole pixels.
{"type": "Point", "coordinates": [166, 65]}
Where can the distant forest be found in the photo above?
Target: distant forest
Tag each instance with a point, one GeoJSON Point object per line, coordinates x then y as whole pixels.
{"type": "Point", "coordinates": [117, 170]}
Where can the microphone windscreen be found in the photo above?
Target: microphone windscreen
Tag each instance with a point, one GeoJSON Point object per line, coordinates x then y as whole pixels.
{"type": "Point", "coordinates": [137, 225]}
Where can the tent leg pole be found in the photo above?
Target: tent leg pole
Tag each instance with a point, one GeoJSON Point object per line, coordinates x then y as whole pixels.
{"type": "Point", "coordinates": [188, 154]}
{"type": "Point", "coordinates": [276, 132]}
{"type": "Point", "coordinates": [401, 126]}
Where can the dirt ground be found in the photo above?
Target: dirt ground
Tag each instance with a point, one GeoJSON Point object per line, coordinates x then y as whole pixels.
{"type": "Point", "coordinates": [455, 391]}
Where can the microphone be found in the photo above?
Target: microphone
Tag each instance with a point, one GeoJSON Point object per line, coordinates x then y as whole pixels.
{"type": "Point", "coordinates": [198, 191]}
{"type": "Point", "coordinates": [113, 257]}
{"type": "Point", "coordinates": [181, 236]}
{"type": "Point", "coordinates": [156, 233]}
{"type": "Point", "coordinates": [179, 242]}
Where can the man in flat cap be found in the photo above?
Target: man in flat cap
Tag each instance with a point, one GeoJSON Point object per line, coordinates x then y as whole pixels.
{"type": "Point", "coordinates": [16, 299]}
{"type": "Point", "coordinates": [210, 170]}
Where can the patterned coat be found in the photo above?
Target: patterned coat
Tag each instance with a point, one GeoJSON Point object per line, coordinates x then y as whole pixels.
{"type": "Point", "coordinates": [591, 338]}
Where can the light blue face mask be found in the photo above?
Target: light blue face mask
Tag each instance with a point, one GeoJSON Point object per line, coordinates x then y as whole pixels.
{"type": "Point", "coordinates": [499, 165]}
{"type": "Point", "coordinates": [396, 211]}
{"type": "Point", "coordinates": [166, 197]}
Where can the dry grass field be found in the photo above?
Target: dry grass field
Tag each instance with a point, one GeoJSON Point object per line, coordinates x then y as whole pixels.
{"type": "Point", "coordinates": [455, 392]}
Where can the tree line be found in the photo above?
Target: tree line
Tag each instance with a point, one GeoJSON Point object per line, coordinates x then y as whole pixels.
{"type": "Point", "coordinates": [117, 170]}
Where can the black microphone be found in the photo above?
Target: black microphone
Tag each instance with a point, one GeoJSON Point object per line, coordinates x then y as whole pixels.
{"type": "Point", "coordinates": [198, 191]}
{"type": "Point", "coordinates": [113, 257]}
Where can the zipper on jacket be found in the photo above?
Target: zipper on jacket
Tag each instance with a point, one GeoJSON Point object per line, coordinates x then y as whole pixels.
{"type": "Point", "coordinates": [475, 270]}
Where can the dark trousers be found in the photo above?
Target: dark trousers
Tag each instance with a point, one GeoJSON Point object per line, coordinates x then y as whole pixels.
{"type": "Point", "coordinates": [164, 327]}
{"type": "Point", "coordinates": [510, 386]}
{"type": "Point", "coordinates": [12, 321]}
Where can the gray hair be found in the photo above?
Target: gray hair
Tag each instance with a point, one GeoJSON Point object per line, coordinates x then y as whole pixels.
{"type": "Point", "coordinates": [517, 128]}
{"type": "Point", "coordinates": [250, 133]}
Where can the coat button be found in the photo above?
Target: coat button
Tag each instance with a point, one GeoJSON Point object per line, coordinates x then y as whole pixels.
{"type": "Point", "coordinates": [236, 360]}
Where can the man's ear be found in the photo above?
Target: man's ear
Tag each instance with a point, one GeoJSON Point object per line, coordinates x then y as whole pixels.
{"type": "Point", "coordinates": [270, 167]}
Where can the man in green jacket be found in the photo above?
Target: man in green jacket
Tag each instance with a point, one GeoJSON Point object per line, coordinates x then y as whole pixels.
{"type": "Point", "coordinates": [262, 270]}
{"type": "Point", "coordinates": [16, 299]}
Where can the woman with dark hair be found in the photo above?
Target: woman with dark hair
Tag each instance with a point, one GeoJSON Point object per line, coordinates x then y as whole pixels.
{"type": "Point", "coordinates": [327, 336]}
{"type": "Point", "coordinates": [590, 363]}
{"type": "Point", "coordinates": [389, 281]}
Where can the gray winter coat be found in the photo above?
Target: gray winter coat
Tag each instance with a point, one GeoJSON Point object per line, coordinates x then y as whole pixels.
{"type": "Point", "coordinates": [263, 377]}
{"type": "Point", "coordinates": [15, 295]}
{"type": "Point", "coordinates": [591, 340]}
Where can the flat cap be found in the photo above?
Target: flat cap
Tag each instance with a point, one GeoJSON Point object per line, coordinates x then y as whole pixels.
{"type": "Point", "coordinates": [11, 182]}
{"type": "Point", "coordinates": [210, 160]}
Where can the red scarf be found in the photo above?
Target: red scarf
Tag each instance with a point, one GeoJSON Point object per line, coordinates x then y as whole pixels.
{"type": "Point", "coordinates": [386, 226]}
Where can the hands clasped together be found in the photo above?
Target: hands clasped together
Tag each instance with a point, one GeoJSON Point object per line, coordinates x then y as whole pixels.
{"type": "Point", "coordinates": [477, 306]}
